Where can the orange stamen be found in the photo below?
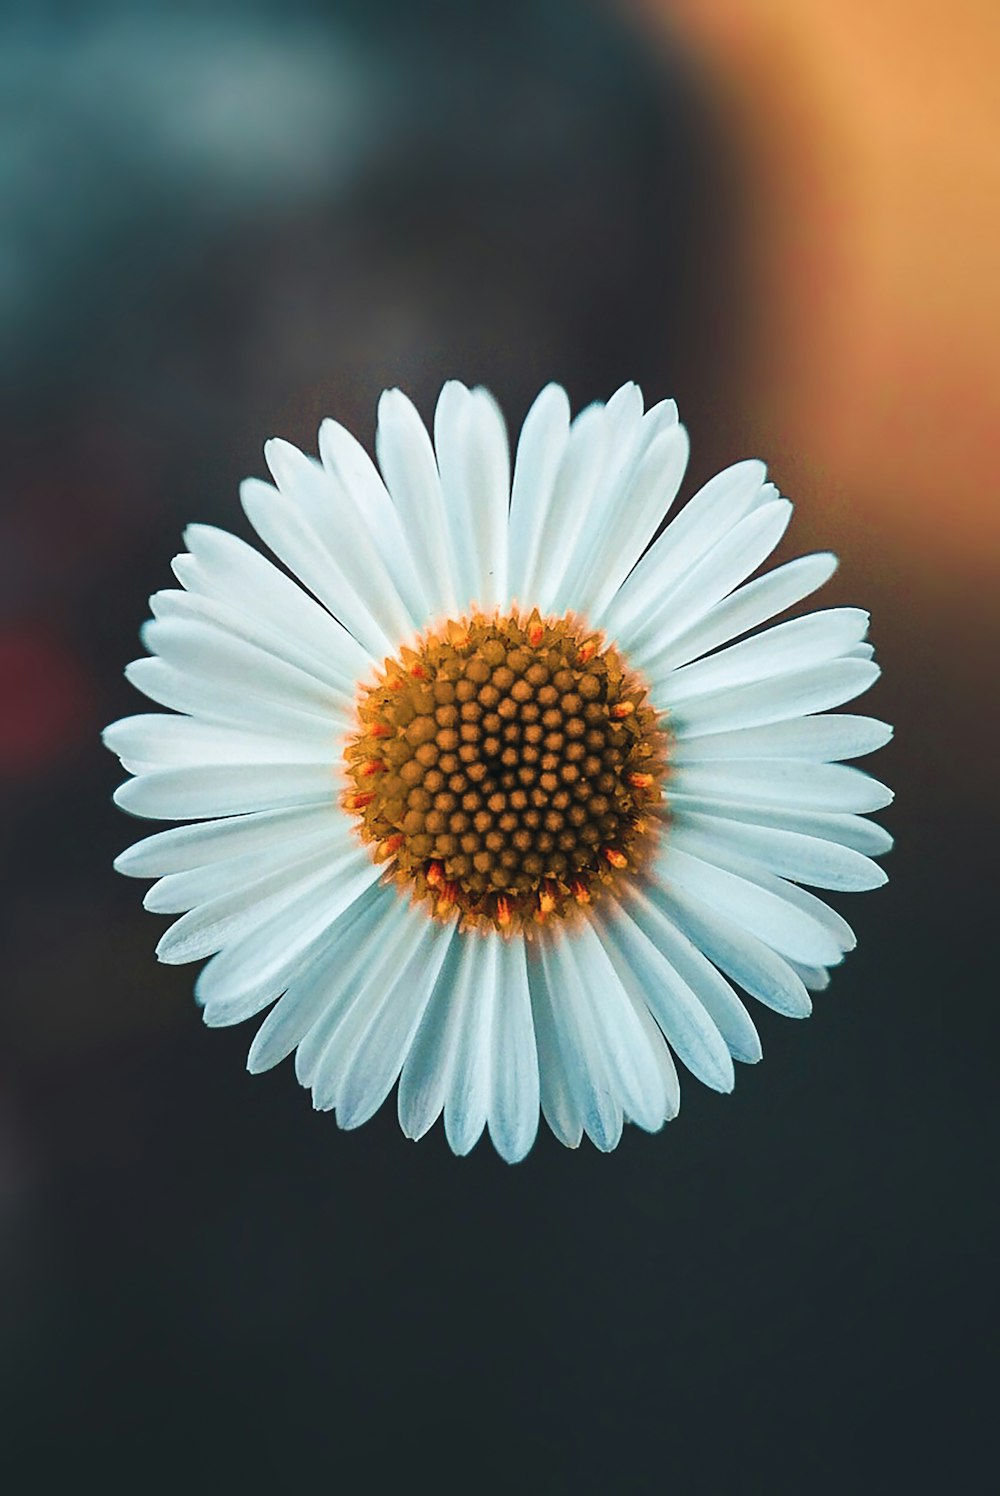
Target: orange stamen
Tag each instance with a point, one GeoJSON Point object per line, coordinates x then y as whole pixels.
{"type": "Point", "coordinates": [536, 633]}
{"type": "Point", "coordinates": [380, 730]}
{"type": "Point", "coordinates": [546, 899]}
{"type": "Point", "coordinates": [623, 709]}
{"type": "Point", "coordinates": [587, 651]}
{"type": "Point", "coordinates": [617, 859]}
{"type": "Point", "coordinates": [373, 766]}
{"type": "Point", "coordinates": [359, 800]}
{"type": "Point", "coordinates": [434, 874]}
{"type": "Point", "coordinates": [641, 781]}
{"type": "Point", "coordinates": [503, 913]}
{"type": "Point", "coordinates": [580, 891]}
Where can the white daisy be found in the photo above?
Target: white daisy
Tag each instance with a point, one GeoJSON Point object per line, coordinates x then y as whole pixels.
{"type": "Point", "coordinates": [485, 803]}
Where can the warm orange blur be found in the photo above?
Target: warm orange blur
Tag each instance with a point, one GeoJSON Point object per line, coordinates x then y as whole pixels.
{"type": "Point", "coordinates": [865, 140]}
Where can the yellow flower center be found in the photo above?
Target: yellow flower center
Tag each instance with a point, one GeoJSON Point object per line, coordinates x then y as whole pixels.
{"type": "Point", "coordinates": [508, 765]}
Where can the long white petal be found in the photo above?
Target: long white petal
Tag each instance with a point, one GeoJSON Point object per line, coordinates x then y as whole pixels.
{"type": "Point", "coordinates": [177, 892]}
{"type": "Point", "coordinates": [339, 1076]}
{"type": "Point", "coordinates": [850, 831]}
{"type": "Point", "coordinates": [225, 568]}
{"type": "Point", "coordinates": [225, 789]}
{"type": "Point", "coordinates": [406, 457]}
{"type": "Point", "coordinates": [201, 650]}
{"type": "Point", "coordinates": [721, 569]}
{"type": "Point", "coordinates": [427, 1069]}
{"type": "Point", "coordinates": [576, 481]}
{"type": "Point", "coordinates": [467, 1103]}
{"type": "Point", "coordinates": [748, 607]}
{"type": "Point", "coordinates": [822, 739]}
{"type": "Point", "coordinates": [184, 847]}
{"type": "Point", "coordinates": [540, 451]}
{"type": "Point", "coordinates": [703, 521]}
{"type": "Point", "coordinates": [213, 700]}
{"type": "Point", "coordinates": [321, 976]}
{"type": "Point", "coordinates": [774, 700]}
{"type": "Point", "coordinates": [514, 1092]}
{"type": "Point", "coordinates": [310, 656]}
{"type": "Point", "coordinates": [161, 740]}
{"type": "Point", "coordinates": [363, 503]}
{"type": "Point", "coordinates": [250, 972]}
{"type": "Point", "coordinates": [585, 1065]}
{"type": "Point", "coordinates": [785, 928]}
{"type": "Point", "coordinates": [470, 440]}
{"type": "Point", "coordinates": [357, 551]}
{"type": "Point", "coordinates": [788, 854]}
{"type": "Point", "coordinates": [288, 531]}
{"type": "Point", "coordinates": [709, 985]}
{"type": "Point", "coordinates": [750, 963]}
{"type": "Point", "coordinates": [792, 783]}
{"type": "Point", "coordinates": [638, 497]}
{"type": "Point", "coordinates": [231, 916]}
{"type": "Point", "coordinates": [380, 1051]}
{"type": "Point", "coordinates": [559, 1107]}
{"type": "Point", "coordinates": [640, 963]}
{"type": "Point", "coordinates": [797, 644]}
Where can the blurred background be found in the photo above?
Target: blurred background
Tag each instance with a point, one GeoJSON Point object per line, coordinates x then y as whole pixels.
{"type": "Point", "coordinates": [221, 222]}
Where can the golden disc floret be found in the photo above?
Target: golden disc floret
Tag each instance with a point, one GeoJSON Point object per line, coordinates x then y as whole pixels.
{"type": "Point", "coordinates": [507, 766]}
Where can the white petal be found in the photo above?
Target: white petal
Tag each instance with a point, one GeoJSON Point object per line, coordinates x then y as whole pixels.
{"type": "Point", "coordinates": [745, 959]}
{"type": "Point", "coordinates": [427, 1069]}
{"type": "Point", "coordinates": [559, 1107]}
{"type": "Point", "coordinates": [406, 458]}
{"type": "Point", "coordinates": [816, 739]}
{"type": "Point", "coordinates": [722, 568]}
{"type": "Point", "coordinates": [470, 440]}
{"type": "Point", "coordinates": [363, 504]}
{"type": "Point", "coordinates": [797, 644]}
{"type": "Point", "coordinates": [251, 971]}
{"type": "Point", "coordinates": [172, 606]}
{"type": "Point", "coordinates": [374, 939]}
{"type": "Point", "coordinates": [468, 1099]}
{"type": "Point", "coordinates": [232, 916]}
{"type": "Point", "coordinates": [789, 854]}
{"type": "Point", "coordinates": [697, 972]}
{"type": "Point", "coordinates": [576, 482]}
{"type": "Point", "coordinates": [375, 1025]}
{"type": "Point", "coordinates": [592, 1093]}
{"type": "Point", "coordinates": [540, 451]}
{"type": "Point", "coordinates": [513, 1107]}
{"type": "Point", "coordinates": [380, 1051]}
{"type": "Point", "coordinates": [185, 847]}
{"type": "Point", "coordinates": [749, 606]}
{"type": "Point", "coordinates": [614, 1051]}
{"type": "Point", "coordinates": [722, 852]}
{"type": "Point", "coordinates": [214, 701]}
{"type": "Point", "coordinates": [636, 493]}
{"type": "Point", "coordinates": [223, 567]}
{"type": "Point", "coordinates": [639, 962]}
{"type": "Point", "coordinates": [790, 783]}
{"type": "Point", "coordinates": [203, 651]}
{"type": "Point", "coordinates": [225, 789]}
{"type": "Point", "coordinates": [797, 695]}
{"type": "Point", "coordinates": [703, 521]}
{"type": "Point", "coordinates": [849, 831]}
{"type": "Point", "coordinates": [177, 892]}
{"type": "Point", "coordinates": [288, 529]}
{"type": "Point", "coordinates": [322, 975]}
{"type": "Point", "coordinates": [160, 740]}
{"type": "Point", "coordinates": [349, 539]}
{"type": "Point", "coordinates": [773, 919]}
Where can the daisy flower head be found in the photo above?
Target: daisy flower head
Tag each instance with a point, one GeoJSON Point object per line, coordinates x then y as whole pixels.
{"type": "Point", "coordinates": [489, 796]}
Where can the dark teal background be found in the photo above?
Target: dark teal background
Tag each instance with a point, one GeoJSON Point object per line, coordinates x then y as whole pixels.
{"type": "Point", "coordinates": [223, 223]}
